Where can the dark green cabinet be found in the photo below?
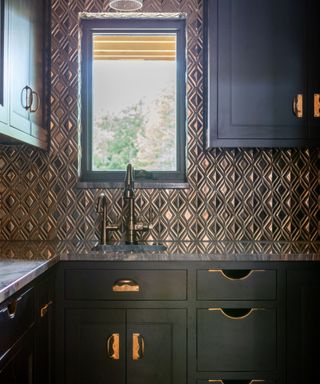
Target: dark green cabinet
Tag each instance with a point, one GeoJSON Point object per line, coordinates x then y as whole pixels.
{"type": "Point", "coordinates": [303, 327]}
{"type": "Point", "coordinates": [19, 368]}
{"type": "Point", "coordinates": [24, 111]}
{"type": "Point", "coordinates": [95, 346]}
{"type": "Point", "coordinates": [129, 346]}
{"type": "Point", "coordinates": [259, 78]}
{"type": "Point", "coordinates": [156, 340]}
{"type": "Point", "coordinates": [44, 335]}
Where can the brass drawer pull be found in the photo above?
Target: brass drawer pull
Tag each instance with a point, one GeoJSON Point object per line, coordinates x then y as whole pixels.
{"type": "Point", "coordinates": [297, 106]}
{"type": "Point", "coordinates": [234, 274]}
{"type": "Point", "coordinates": [44, 309]}
{"type": "Point", "coordinates": [137, 346]}
{"type": "Point", "coordinates": [236, 381]}
{"type": "Point", "coordinates": [236, 313]}
{"type": "Point", "coordinates": [113, 346]}
{"type": "Point", "coordinates": [125, 285]}
{"type": "Point", "coordinates": [316, 105]}
{"type": "Point", "coordinates": [12, 308]}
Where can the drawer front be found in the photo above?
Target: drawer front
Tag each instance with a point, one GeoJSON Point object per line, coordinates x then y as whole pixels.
{"type": "Point", "coordinates": [16, 317]}
{"type": "Point", "coordinates": [236, 339]}
{"type": "Point", "coordinates": [236, 381]}
{"type": "Point", "coordinates": [125, 284]}
{"type": "Point", "coordinates": [217, 284]}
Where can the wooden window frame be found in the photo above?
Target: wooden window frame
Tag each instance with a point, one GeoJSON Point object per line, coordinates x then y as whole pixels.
{"type": "Point", "coordinates": [114, 179]}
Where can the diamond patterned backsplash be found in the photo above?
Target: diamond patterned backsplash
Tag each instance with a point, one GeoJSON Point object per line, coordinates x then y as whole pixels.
{"type": "Point", "coordinates": [237, 194]}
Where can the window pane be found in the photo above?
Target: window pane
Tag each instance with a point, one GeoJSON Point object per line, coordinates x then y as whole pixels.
{"type": "Point", "coordinates": [134, 102]}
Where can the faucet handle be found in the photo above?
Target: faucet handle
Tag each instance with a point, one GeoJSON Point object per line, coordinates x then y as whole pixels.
{"type": "Point", "coordinates": [102, 202]}
{"type": "Point", "coordinates": [151, 217]}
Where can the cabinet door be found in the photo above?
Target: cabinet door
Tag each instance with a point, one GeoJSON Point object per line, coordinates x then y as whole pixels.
{"type": "Point", "coordinates": [37, 68]}
{"type": "Point", "coordinates": [257, 66]}
{"type": "Point", "coordinates": [44, 334]}
{"type": "Point", "coordinates": [19, 369]}
{"type": "Point", "coordinates": [303, 330]}
{"type": "Point", "coordinates": [314, 71]}
{"type": "Point", "coordinates": [3, 65]}
{"type": "Point", "coordinates": [91, 351]}
{"type": "Point", "coordinates": [19, 39]}
{"type": "Point", "coordinates": [156, 346]}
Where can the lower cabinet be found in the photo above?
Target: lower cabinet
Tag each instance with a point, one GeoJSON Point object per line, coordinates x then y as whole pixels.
{"type": "Point", "coordinates": [236, 339]}
{"type": "Point", "coordinates": [19, 369]}
{"type": "Point", "coordinates": [303, 326]}
{"type": "Point", "coordinates": [131, 346]}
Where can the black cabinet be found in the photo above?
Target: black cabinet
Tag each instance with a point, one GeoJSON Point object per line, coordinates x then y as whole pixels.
{"type": "Point", "coordinates": [261, 73]}
{"type": "Point", "coordinates": [303, 328]}
{"type": "Point", "coordinates": [44, 335]}
{"type": "Point", "coordinates": [127, 324]}
{"type": "Point", "coordinates": [24, 112]}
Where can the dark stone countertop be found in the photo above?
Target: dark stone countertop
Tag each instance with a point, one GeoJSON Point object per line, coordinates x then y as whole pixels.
{"type": "Point", "coordinates": [23, 261]}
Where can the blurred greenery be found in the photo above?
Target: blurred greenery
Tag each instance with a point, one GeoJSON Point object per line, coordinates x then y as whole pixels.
{"type": "Point", "coordinates": [144, 136]}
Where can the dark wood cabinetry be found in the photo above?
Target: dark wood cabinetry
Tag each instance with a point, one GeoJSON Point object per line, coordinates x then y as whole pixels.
{"type": "Point", "coordinates": [26, 334]}
{"type": "Point", "coordinates": [25, 106]}
{"type": "Point", "coordinates": [303, 326]}
{"type": "Point", "coordinates": [261, 73]}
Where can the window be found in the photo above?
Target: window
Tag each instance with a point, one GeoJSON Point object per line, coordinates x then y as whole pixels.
{"type": "Point", "coordinates": [133, 100]}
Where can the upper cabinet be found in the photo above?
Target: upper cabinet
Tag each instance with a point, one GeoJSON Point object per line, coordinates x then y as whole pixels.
{"type": "Point", "coordinates": [26, 35]}
{"type": "Point", "coordinates": [262, 76]}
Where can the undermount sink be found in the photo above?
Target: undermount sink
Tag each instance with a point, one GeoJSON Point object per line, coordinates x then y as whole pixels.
{"type": "Point", "coordinates": [122, 247]}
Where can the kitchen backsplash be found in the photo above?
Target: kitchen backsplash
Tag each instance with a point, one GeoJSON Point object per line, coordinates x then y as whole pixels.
{"type": "Point", "coordinates": [235, 194]}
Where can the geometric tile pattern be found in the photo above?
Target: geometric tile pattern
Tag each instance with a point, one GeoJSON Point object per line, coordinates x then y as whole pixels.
{"type": "Point", "coordinates": [235, 194]}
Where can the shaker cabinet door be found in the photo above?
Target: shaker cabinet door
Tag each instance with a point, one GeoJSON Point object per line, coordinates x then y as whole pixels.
{"type": "Point", "coordinates": [257, 69]}
{"type": "Point", "coordinates": [156, 346]}
{"type": "Point", "coordinates": [19, 42]}
{"type": "Point", "coordinates": [95, 346]}
{"type": "Point", "coordinates": [303, 330]}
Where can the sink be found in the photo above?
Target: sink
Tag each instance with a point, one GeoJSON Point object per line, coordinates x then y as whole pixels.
{"type": "Point", "coordinates": [122, 247]}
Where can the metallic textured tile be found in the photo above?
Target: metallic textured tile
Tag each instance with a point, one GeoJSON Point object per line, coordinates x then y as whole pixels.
{"type": "Point", "coordinates": [235, 194]}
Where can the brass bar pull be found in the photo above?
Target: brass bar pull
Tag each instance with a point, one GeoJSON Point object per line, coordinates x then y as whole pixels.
{"type": "Point", "coordinates": [316, 105]}
{"type": "Point", "coordinates": [137, 346]}
{"type": "Point", "coordinates": [236, 313]}
{"type": "Point", "coordinates": [125, 285]}
{"type": "Point", "coordinates": [44, 309]}
{"type": "Point", "coordinates": [297, 106]}
{"type": "Point", "coordinates": [37, 98]}
{"type": "Point", "coordinates": [113, 346]}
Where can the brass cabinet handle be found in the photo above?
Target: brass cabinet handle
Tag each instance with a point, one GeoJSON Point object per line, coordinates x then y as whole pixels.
{"type": "Point", "coordinates": [238, 381]}
{"type": "Point", "coordinates": [137, 346]}
{"type": "Point", "coordinates": [44, 309]}
{"type": "Point", "coordinates": [113, 346]}
{"type": "Point", "coordinates": [125, 285]}
{"type": "Point", "coordinates": [297, 106]}
{"type": "Point", "coordinates": [316, 105]}
{"type": "Point", "coordinates": [236, 313]}
{"type": "Point", "coordinates": [234, 274]}
{"type": "Point", "coordinates": [11, 308]}
{"type": "Point", "coordinates": [28, 98]}
{"type": "Point", "coordinates": [37, 98]}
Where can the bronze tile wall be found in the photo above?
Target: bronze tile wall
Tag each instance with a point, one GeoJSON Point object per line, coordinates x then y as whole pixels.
{"type": "Point", "coordinates": [234, 195]}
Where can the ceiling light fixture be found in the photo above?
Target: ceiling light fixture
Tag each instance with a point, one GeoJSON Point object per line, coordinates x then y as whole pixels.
{"type": "Point", "coordinates": [126, 5]}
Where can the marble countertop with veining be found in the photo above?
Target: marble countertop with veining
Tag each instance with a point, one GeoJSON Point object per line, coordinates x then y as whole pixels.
{"type": "Point", "coordinates": [23, 261]}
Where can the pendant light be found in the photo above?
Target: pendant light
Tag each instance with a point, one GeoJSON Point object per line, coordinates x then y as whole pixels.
{"type": "Point", "coordinates": [126, 5]}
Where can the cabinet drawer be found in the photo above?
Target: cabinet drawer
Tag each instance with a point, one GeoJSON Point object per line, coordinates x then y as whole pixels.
{"type": "Point", "coordinates": [16, 316]}
{"type": "Point", "coordinates": [125, 284]}
{"type": "Point", "coordinates": [241, 284]}
{"type": "Point", "coordinates": [241, 339]}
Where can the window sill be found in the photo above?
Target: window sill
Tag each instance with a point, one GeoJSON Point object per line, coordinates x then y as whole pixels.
{"type": "Point", "coordinates": [137, 185]}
